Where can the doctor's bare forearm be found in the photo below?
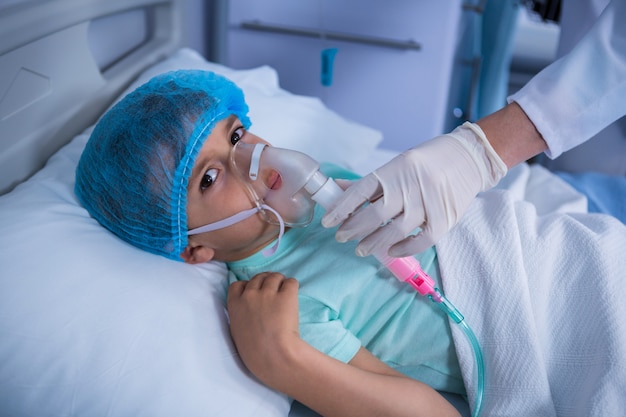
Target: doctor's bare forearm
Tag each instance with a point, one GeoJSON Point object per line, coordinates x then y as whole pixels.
{"type": "Point", "coordinates": [512, 134]}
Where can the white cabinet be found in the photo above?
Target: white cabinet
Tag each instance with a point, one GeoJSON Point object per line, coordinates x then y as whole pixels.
{"type": "Point", "coordinates": [399, 90]}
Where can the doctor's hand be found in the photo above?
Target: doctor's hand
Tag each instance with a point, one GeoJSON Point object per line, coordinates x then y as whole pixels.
{"type": "Point", "coordinates": [427, 187]}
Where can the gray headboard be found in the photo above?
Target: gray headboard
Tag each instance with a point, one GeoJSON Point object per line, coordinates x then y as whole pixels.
{"type": "Point", "coordinates": [62, 62]}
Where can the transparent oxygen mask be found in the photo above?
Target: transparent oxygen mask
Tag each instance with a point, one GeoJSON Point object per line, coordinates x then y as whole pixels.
{"type": "Point", "coordinates": [276, 177]}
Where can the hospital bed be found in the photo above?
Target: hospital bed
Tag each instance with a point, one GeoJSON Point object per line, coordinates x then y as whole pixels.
{"type": "Point", "coordinates": [90, 325]}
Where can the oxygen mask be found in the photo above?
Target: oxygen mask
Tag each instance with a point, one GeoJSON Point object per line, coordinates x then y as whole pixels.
{"type": "Point", "coordinates": [278, 181]}
{"type": "Point", "coordinates": [276, 178]}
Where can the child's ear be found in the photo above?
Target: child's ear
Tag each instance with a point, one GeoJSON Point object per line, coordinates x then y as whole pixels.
{"type": "Point", "coordinates": [197, 254]}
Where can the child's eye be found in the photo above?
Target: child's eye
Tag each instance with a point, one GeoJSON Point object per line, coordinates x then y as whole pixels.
{"type": "Point", "coordinates": [237, 135]}
{"type": "Point", "coordinates": [208, 179]}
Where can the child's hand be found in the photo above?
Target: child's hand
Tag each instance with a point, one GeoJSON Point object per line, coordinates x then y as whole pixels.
{"type": "Point", "coordinates": [263, 321]}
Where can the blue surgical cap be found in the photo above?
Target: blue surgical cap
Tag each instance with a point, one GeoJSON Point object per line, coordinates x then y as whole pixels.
{"type": "Point", "coordinates": [132, 176]}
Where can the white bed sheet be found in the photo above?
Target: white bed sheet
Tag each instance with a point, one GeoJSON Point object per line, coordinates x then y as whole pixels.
{"type": "Point", "coordinates": [541, 282]}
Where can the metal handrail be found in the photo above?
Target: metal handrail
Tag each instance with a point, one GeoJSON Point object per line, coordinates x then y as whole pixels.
{"type": "Point", "coordinates": [338, 36]}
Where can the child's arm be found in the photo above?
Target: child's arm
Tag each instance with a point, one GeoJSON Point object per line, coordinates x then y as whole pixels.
{"type": "Point", "coordinates": [264, 325]}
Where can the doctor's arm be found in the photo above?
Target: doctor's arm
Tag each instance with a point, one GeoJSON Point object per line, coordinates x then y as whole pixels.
{"type": "Point", "coordinates": [431, 186]}
{"type": "Point", "coordinates": [264, 325]}
{"type": "Point", "coordinates": [512, 135]}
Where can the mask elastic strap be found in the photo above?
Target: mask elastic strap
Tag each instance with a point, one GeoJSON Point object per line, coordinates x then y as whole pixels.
{"type": "Point", "coordinates": [267, 252]}
{"type": "Point", "coordinates": [242, 215]}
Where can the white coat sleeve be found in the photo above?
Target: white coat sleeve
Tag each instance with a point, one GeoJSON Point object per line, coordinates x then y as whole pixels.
{"type": "Point", "coordinates": [584, 91]}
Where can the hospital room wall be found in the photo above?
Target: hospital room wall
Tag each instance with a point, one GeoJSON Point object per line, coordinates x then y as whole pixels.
{"type": "Point", "coordinates": [409, 95]}
{"type": "Point", "coordinates": [196, 15]}
{"type": "Point", "coordinates": [400, 91]}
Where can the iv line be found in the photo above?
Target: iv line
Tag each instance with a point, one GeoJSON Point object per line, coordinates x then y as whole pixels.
{"type": "Point", "coordinates": [458, 318]}
{"type": "Point", "coordinates": [305, 176]}
{"type": "Point", "coordinates": [325, 191]}
{"type": "Point", "coordinates": [409, 270]}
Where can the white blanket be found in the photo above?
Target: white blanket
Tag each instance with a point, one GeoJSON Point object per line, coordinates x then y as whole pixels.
{"type": "Point", "coordinates": [544, 293]}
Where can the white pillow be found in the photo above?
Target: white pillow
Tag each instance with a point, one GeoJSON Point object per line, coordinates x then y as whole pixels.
{"type": "Point", "coordinates": [90, 325]}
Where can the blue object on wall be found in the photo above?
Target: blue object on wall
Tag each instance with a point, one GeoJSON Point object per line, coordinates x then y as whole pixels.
{"type": "Point", "coordinates": [328, 60]}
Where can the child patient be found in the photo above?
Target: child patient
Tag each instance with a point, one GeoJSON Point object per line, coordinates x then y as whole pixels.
{"type": "Point", "coordinates": [157, 165]}
{"type": "Point", "coordinates": [335, 331]}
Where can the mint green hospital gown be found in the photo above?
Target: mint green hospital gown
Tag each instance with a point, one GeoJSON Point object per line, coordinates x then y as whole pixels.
{"type": "Point", "coordinates": [346, 302]}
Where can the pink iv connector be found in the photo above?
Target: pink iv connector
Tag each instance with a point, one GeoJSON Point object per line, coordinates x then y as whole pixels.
{"type": "Point", "coordinates": [409, 270]}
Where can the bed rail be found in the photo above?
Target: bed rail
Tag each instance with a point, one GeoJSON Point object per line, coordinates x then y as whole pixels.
{"type": "Point", "coordinates": [61, 67]}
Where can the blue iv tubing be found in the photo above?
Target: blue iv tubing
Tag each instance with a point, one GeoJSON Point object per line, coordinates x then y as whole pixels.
{"type": "Point", "coordinates": [325, 192]}
{"type": "Point", "coordinates": [409, 270]}
{"type": "Point", "coordinates": [305, 176]}
{"type": "Point", "coordinates": [458, 318]}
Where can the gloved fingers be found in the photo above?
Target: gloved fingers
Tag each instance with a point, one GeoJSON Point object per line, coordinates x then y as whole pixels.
{"type": "Point", "coordinates": [369, 218]}
{"type": "Point", "coordinates": [412, 245]}
{"type": "Point", "coordinates": [380, 240]}
{"type": "Point", "coordinates": [359, 193]}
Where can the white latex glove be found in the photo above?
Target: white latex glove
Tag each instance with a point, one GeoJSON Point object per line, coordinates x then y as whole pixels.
{"type": "Point", "coordinates": [427, 187]}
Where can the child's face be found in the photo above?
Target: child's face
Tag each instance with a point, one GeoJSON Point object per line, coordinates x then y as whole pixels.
{"type": "Point", "coordinates": [215, 193]}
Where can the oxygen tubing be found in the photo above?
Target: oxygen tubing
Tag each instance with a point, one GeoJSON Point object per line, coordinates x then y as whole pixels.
{"type": "Point", "coordinates": [325, 192]}
{"type": "Point", "coordinates": [458, 318]}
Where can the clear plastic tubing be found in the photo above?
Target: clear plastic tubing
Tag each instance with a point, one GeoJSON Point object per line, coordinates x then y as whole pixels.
{"type": "Point", "coordinates": [325, 192]}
